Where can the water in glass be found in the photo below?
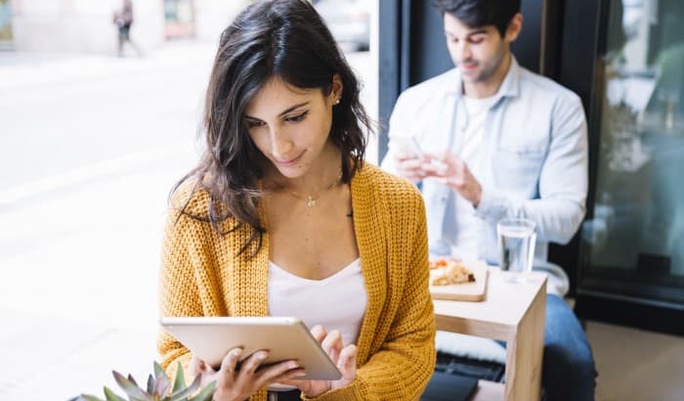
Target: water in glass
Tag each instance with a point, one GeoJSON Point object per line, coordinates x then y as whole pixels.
{"type": "Point", "coordinates": [516, 238]}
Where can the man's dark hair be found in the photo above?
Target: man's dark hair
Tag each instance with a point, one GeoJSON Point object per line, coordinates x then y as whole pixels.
{"type": "Point", "coordinates": [478, 13]}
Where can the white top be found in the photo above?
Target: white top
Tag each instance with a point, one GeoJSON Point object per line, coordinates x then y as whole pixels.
{"type": "Point", "coordinates": [466, 233]}
{"type": "Point", "coordinates": [336, 302]}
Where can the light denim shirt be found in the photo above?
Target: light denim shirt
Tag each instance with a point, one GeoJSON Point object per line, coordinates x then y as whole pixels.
{"type": "Point", "coordinates": [533, 159]}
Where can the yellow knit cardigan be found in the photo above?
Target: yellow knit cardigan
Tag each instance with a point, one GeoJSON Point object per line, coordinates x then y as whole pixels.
{"type": "Point", "coordinates": [201, 275]}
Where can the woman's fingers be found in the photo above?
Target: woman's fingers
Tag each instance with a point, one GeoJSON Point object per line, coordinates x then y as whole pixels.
{"type": "Point", "coordinates": [252, 363]}
{"type": "Point", "coordinates": [332, 345]}
{"type": "Point", "coordinates": [229, 364]}
{"type": "Point", "coordinates": [197, 366]}
{"type": "Point", "coordinates": [347, 362]}
{"type": "Point", "coordinates": [264, 376]}
{"type": "Point", "coordinates": [319, 333]}
{"type": "Point", "coordinates": [283, 373]}
{"type": "Point", "coordinates": [347, 366]}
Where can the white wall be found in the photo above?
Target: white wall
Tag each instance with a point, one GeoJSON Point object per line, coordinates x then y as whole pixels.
{"type": "Point", "coordinates": [213, 16]}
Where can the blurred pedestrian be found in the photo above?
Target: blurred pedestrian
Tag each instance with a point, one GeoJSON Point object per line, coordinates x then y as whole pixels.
{"type": "Point", "coordinates": [123, 19]}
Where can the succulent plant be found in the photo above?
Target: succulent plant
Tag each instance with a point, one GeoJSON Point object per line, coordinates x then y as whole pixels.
{"type": "Point", "coordinates": [157, 388]}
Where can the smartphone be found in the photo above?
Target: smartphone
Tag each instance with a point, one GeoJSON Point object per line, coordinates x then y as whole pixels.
{"type": "Point", "coordinates": [408, 145]}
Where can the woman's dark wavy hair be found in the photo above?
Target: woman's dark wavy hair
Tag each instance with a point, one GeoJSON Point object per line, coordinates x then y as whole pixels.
{"type": "Point", "coordinates": [283, 38]}
{"type": "Point", "coordinates": [478, 13]}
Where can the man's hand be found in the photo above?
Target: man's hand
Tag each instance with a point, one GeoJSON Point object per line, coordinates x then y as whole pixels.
{"type": "Point", "coordinates": [451, 170]}
{"type": "Point", "coordinates": [410, 165]}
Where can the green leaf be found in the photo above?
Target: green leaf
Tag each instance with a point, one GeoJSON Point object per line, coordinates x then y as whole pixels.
{"type": "Point", "coordinates": [186, 392]}
{"type": "Point", "coordinates": [150, 384]}
{"type": "Point", "coordinates": [132, 380]}
{"type": "Point", "coordinates": [182, 394]}
{"type": "Point", "coordinates": [88, 397]}
{"type": "Point", "coordinates": [196, 383]}
{"type": "Point", "coordinates": [131, 388]}
{"type": "Point", "coordinates": [206, 394]}
{"type": "Point", "coordinates": [161, 387]}
{"type": "Point", "coordinates": [159, 371]}
{"type": "Point", "coordinates": [179, 382]}
{"type": "Point", "coordinates": [111, 396]}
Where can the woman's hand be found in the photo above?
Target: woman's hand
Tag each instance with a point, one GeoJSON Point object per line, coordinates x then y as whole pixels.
{"type": "Point", "coordinates": [236, 381]}
{"type": "Point", "coordinates": [344, 358]}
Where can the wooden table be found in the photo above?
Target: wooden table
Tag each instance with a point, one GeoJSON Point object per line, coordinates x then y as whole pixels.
{"type": "Point", "coordinates": [511, 312]}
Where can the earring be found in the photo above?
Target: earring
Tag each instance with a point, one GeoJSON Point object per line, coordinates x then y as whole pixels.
{"type": "Point", "coordinates": [338, 100]}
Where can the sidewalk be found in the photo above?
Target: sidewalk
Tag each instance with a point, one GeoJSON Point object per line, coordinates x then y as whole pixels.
{"type": "Point", "coordinates": [78, 289]}
{"type": "Point", "coordinates": [78, 297]}
{"type": "Point", "coordinates": [45, 95]}
{"type": "Point", "coordinates": [22, 70]}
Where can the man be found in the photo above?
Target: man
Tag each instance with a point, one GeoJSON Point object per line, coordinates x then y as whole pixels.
{"type": "Point", "coordinates": [498, 141]}
{"type": "Point", "coordinates": [123, 19]}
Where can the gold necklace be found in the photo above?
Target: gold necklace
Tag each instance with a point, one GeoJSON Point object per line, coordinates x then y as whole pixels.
{"type": "Point", "coordinates": [311, 199]}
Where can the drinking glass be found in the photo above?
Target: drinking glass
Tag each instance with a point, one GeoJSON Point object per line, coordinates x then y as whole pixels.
{"type": "Point", "coordinates": [516, 237]}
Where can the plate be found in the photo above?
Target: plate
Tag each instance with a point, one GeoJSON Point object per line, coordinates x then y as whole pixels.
{"type": "Point", "coordinates": [473, 291]}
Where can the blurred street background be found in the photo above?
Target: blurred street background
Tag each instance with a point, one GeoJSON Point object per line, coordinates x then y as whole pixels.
{"type": "Point", "coordinates": [90, 145]}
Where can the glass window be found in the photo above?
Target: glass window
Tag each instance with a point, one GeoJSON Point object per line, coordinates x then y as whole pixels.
{"type": "Point", "coordinates": [5, 22]}
{"type": "Point", "coordinates": [637, 229]}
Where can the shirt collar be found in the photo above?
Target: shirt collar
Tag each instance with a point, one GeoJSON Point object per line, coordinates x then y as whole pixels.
{"type": "Point", "coordinates": [510, 87]}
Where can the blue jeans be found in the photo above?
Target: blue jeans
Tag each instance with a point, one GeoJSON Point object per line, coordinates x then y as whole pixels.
{"type": "Point", "coordinates": [568, 370]}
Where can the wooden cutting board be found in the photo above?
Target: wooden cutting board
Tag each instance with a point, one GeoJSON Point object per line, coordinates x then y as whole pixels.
{"type": "Point", "coordinates": [474, 291]}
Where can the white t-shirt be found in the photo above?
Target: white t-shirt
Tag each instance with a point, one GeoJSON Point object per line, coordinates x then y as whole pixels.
{"type": "Point", "coordinates": [336, 302]}
{"type": "Point", "coordinates": [465, 235]}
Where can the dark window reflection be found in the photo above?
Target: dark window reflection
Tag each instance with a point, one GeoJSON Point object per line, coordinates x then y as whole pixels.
{"type": "Point", "coordinates": [637, 231]}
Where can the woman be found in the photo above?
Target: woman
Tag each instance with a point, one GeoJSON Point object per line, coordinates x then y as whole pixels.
{"type": "Point", "coordinates": [283, 218]}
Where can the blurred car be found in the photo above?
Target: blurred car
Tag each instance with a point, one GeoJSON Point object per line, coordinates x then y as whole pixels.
{"type": "Point", "coordinates": [348, 20]}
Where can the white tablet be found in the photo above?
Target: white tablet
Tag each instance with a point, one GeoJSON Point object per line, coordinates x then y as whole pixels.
{"type": "Point", "coordinates": [285, 338]}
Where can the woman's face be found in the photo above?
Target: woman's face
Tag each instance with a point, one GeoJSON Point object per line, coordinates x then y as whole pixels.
{"type": "Point", "coordinates": [291, 126]}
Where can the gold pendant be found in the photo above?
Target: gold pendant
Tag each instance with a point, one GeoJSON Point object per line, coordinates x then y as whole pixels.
{"type": "Point", "coordinates": [310, 201]}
